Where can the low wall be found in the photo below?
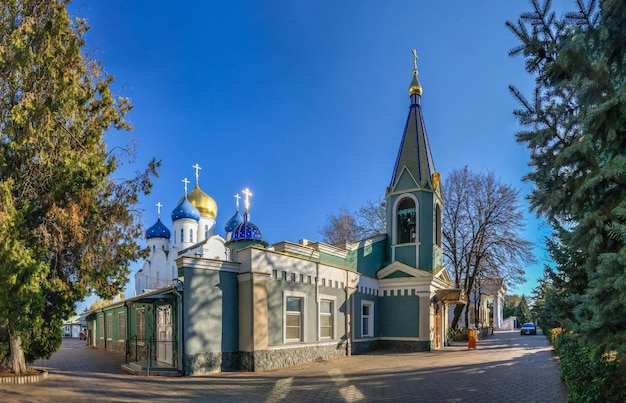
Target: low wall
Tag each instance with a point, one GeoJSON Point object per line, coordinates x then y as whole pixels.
{"type": "Point", "coordinates": [462, 334]}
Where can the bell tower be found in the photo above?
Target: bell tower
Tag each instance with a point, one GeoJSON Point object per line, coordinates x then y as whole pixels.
{"type": "Point", "coordinates": [414, 198]}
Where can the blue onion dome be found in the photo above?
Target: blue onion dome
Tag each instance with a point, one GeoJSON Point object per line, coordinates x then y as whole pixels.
{"type": "Point", "coordinates": [185, 210]}
{"type": "Point", "coordinates": [234, 221]}
{"type": "Point", "coordinates": [246, 231]}
{"type": "Point", "coordinates": [158, 230]}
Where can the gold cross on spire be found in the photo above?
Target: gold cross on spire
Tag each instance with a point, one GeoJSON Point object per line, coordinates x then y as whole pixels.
{"type": "Point", "coordinates": [197, 168]}
{"type": "Point", "coordinates": [247, 193]}
{"type": "Point", "coordinates": [186, 182]}
{"type": "Point", "coordinates": [159, 205]}
{"type": "Point", "coordinates": [414, 59]}
{"type": "Point", "coordinates": [237, 197]}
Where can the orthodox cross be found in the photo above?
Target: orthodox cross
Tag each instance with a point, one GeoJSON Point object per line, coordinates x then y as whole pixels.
{"type": "Point", "coordinates": [197, 168]}
{"type": "Point", "coordinates": [247, 193]}
{"type": "Point", "coordinates": [186, 182]}
{"type": "Point", "coordinates": [237, 197]}
{"type": "Point", "coordinates": [159, 205]}
{"type": "Point", "coordinates": [414, 59]}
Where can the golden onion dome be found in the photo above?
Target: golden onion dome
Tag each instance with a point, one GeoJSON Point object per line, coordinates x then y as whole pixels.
{"type": "Point", "coordinates": [415, 87]}
{"type": "Point", "coordinates": [203, 202]}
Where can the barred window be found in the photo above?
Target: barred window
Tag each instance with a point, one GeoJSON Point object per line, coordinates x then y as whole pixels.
{"type": "Point", "coordinates": [121, 326]}
{"type": "Point", "coordinates": [140, 325]}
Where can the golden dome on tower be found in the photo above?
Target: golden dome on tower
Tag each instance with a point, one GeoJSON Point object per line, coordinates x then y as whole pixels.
{"type": "Point", "coordinates": [203, 202]}
{"type": "Point", "coordinates": [415, 87]}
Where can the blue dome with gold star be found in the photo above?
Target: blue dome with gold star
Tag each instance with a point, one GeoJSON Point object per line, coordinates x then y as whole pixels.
{"type": "Point", "coordinates": [158, 230]}
{"type": "Point", "coordinates": [234, 221]}
{"type": "Point", "coordinates": [185, 210]}
{"type": "Point", "coordinates": [246, 231]}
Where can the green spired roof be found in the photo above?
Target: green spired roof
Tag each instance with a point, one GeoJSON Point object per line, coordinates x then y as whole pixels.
{"type": "Point", "coordinates": [414, 153]}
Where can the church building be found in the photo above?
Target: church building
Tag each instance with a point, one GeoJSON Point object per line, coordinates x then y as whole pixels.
{"type": "Point", "coordinates": [206, 303]}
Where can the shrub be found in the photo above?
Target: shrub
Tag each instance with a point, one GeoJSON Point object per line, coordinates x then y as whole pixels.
{"type": "Point", "coordinates": [554, 335]}
{"type": "Point", "coordinates": [588, 378]}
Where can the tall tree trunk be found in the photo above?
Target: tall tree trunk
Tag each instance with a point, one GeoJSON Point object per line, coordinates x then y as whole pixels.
{"type": "Point", "coordinates": [17, 354]}
{"type": "Point", "coordinates": [458, 309]}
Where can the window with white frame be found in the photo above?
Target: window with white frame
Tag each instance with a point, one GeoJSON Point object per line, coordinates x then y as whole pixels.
{"type": "Point", "coordinates": [294, 304]}
{"type": "Point", "coordinates": [140, 325]}
{"type": "Point", "coordinates": [121, 326]}
{"type": "Point", "coordinates": [101, 326]}
{"type": "Point", "coordinates": [109, 326]}
{"type": "Point", "coordinates": [327, 318]}
{"type": "Point", "coordinates": [367, 318]}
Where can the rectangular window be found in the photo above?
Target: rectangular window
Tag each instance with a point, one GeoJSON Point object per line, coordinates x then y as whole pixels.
{"type": "Point", "coordinates": [140, 325]}
{"type": "Point", "coordinates": [109, 326]}
{"type": "Point", "coordinates": [121, 326]}
{"type": "Point", "coordinates": [367, 319]}
{"type": "Point", "coordinates": [101, 326]}
{"type": "Point", "coordinates": [293, 318]}
{"type": "Point", "coordinates": [326, 319]}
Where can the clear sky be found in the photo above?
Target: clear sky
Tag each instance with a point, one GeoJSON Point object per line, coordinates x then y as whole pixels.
{"type": "Point", "coordinates": [304, 102]}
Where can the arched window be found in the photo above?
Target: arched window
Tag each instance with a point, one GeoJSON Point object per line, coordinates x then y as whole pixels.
{"type": "Point", "coordinates": [190, 235]}
{"type": "Point", "coordinates": [406, 221]}
{"type": "Point", "coordinates": [438, 225]}
{"type": "Point", "coordinates": [206, 231]}
{"type": "Point", "coordinates": [153, 248]}
{"type": "Point", "coordinates": [182, 235]}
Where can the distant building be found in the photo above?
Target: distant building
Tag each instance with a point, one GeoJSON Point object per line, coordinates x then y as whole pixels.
{"type": "Point", "coordinates": [73, 326]}
{"type": "Point", "coordinates": [206, 303]}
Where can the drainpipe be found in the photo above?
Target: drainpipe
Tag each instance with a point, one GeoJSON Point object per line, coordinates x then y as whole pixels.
{"type": "Point", "coordinates": [348, 329]}
{"type": "Point", "coordinates": [317, 298]}
{"type": "Point", "coordinates": [181, 352]}
{"type": "Point", "coordinates": [127, 319]}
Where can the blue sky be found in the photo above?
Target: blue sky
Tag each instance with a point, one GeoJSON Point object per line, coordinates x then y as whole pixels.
{"type": "Point", "coordinates": [304, 102]}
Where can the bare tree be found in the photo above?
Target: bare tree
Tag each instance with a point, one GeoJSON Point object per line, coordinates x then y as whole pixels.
{"type": "Point", "coordinates": [481, 223]}
{"type": "Point", "coordinates": [372, 218]}
{"type": "Point", "coordinates": [369, 220]}
{"type": "Point", "coordinates": [340, 227]}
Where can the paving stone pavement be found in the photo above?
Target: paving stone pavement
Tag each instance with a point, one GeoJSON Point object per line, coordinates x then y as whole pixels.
{"type": "Point", "coordinates": [506, 367]}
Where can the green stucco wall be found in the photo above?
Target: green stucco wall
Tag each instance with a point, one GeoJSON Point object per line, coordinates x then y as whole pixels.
{"type": "Point", "coordinates": [211, 301]}
{"type": "Point", "coordinates": [401, 316]}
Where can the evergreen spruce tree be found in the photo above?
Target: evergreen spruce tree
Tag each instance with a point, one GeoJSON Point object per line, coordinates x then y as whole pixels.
{"type": "Point", "coordinates": [67, 227]}
{"type": "Point", "coordinates": [522, 312]}
{"type": "Point", "coordinates": [576, 124]}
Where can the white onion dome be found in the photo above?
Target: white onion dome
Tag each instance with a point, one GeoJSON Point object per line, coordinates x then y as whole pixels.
{"type": "Point", "coordinates": [234, 221]}
{"type": "Point", "coordinates": [185, 210]}
{"type": "Point", "coordinates": [158, 230]}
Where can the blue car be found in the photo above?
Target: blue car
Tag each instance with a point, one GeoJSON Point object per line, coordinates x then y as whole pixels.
{"type": "Point", "coordinates": [528, 328]}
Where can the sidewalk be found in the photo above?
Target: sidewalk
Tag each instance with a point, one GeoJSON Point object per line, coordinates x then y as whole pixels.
{"type": "Point", "coordinates": [506, 367]}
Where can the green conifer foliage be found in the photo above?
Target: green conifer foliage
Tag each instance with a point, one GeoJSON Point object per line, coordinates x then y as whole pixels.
{"type": "Point", "coordinates": [67, 227]}
{"type": "Point", "coordinates": [576, 124]}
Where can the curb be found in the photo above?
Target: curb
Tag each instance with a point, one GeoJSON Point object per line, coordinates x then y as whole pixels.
{"type": "Point", "coordinates": [22, 380]}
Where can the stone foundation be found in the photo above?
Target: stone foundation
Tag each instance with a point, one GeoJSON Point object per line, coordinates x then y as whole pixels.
{"type": "Point", "coordinates": [284, 357]}
{"type": "Point", "coordinates": [405, 346]}
{"type": "Point", "coordinates": [365, 346]}
{"type": "Point", "coordinates": [206, 363]}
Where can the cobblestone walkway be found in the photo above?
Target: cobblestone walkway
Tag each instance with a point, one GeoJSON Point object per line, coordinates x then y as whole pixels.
{"type": "Point", "coordinates": [505, 368]}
